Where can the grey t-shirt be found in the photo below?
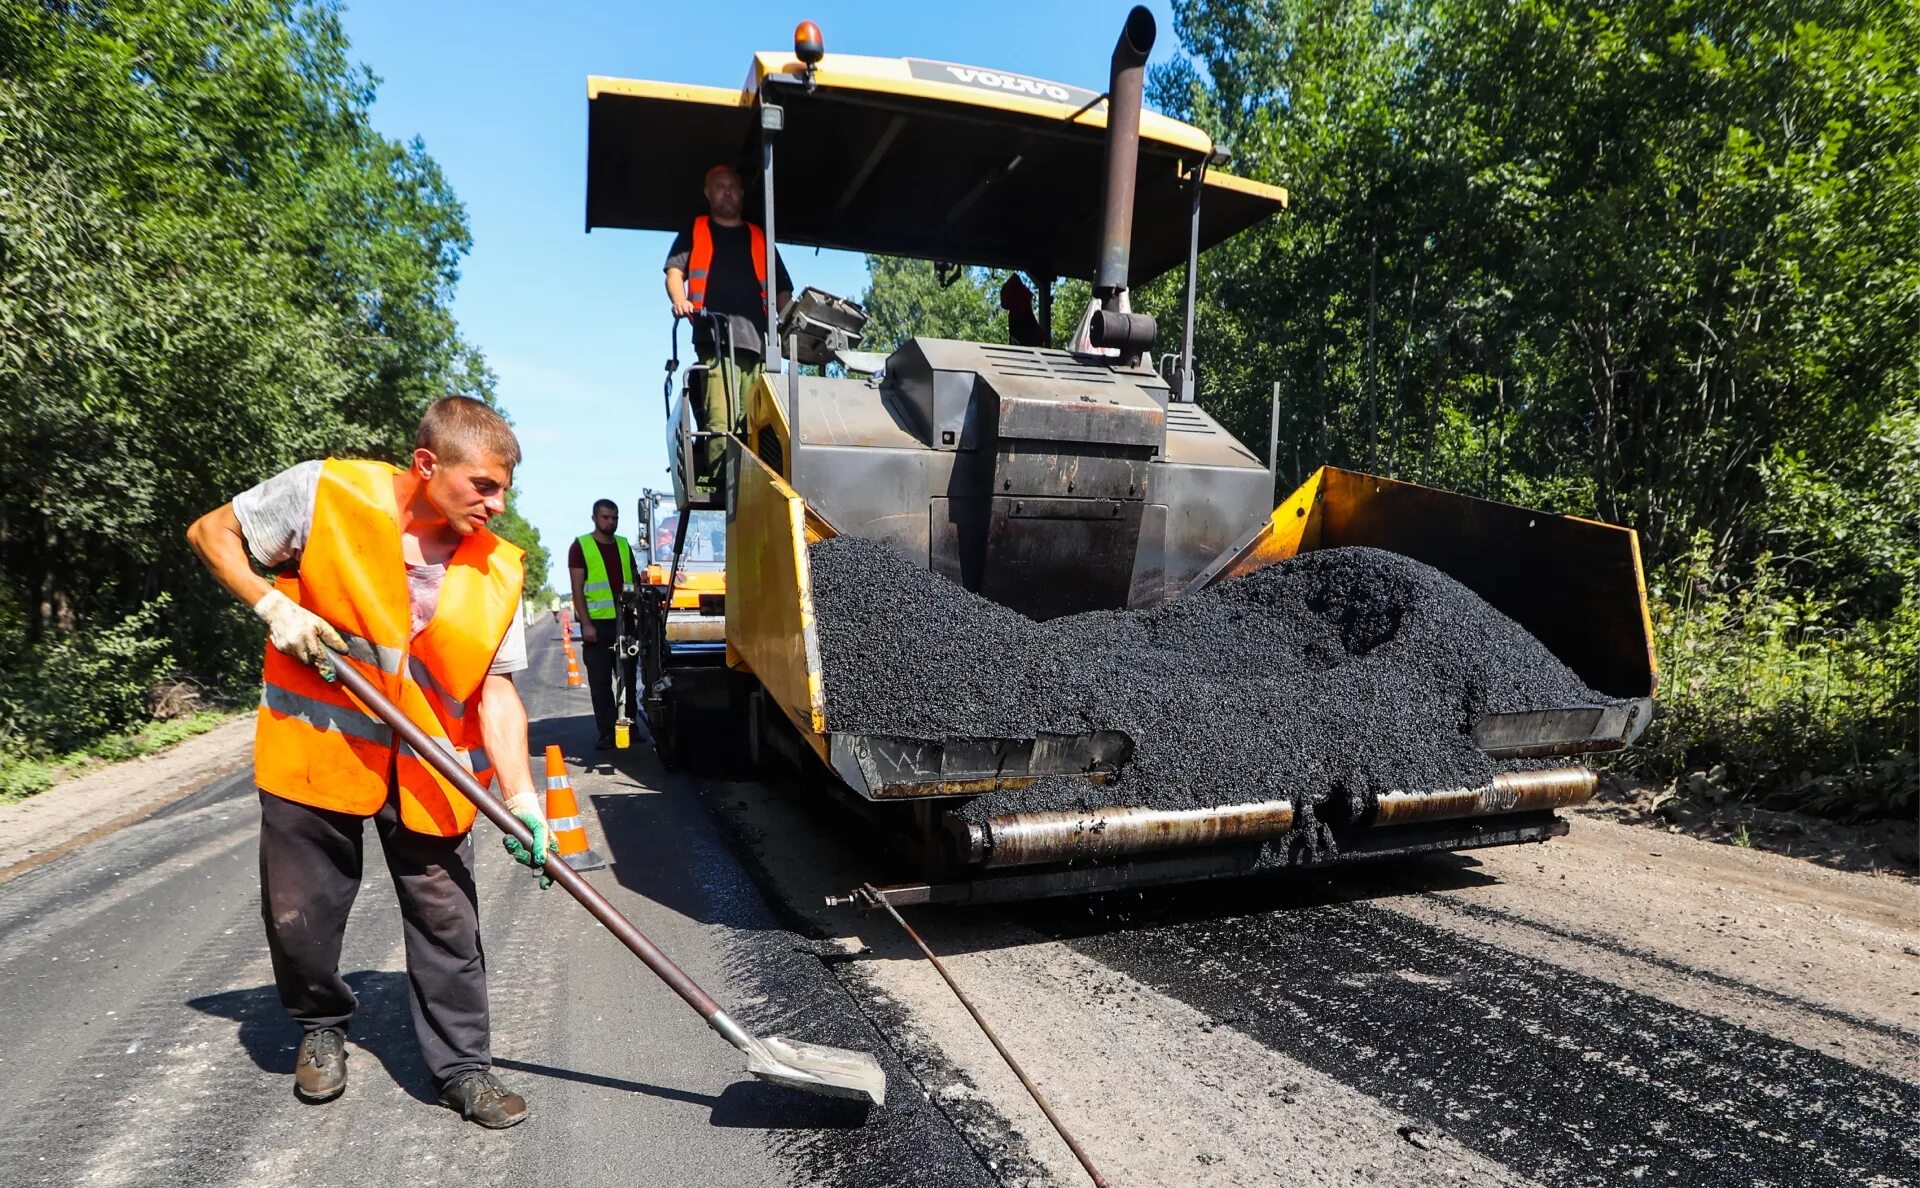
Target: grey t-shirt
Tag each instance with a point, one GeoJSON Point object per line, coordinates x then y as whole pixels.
{"type": "Point", "coordinates": [276, 516]}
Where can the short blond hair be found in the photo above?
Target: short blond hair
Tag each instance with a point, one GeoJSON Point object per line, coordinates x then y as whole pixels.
{"type": "Point", "coordinates": [460, 428]}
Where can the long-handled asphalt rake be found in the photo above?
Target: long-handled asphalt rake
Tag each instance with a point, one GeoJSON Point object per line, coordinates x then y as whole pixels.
{"type": "Point", "coordinates": [836, 1072]}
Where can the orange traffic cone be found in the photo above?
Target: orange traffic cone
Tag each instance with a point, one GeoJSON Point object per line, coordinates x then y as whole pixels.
{"type": "Point", "coordinates": [573, 671]}
{"type": "Point", "coordinates": [563, 817]}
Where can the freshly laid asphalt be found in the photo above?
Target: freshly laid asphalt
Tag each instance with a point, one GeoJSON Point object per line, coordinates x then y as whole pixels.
{"type": "Point", "coordinates": [1563, 1078]}
{"type": "Point", "coordinates": [142, 1043]}
{"type": "Point", "coordinates": [1458, 1021]}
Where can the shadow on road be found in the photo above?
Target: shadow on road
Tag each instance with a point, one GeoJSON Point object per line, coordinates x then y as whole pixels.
{"type": "Point", "coordinates": [746, 1104]}
{"type": "Point", "coordinates": [382, 1026]}
{"type": "Point", "coordinates": [573, 734]}
{"type": "Point", "coordinates": [1281, 892]}
{"type": "Point", "coordinates": [666, 848]}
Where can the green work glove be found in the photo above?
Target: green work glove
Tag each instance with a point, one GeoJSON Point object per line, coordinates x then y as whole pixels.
{"type": "Point", "coordinates": [526, 806]}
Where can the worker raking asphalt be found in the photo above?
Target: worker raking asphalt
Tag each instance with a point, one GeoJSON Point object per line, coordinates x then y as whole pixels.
{"type": "Point", "coordinates": [1323, 680]}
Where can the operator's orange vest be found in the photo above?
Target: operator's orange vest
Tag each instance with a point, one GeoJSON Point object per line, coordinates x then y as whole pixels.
{"type": "Point", "coordinates": [701, 260]}
{"type": "Point", "coordinates": [313, 743]}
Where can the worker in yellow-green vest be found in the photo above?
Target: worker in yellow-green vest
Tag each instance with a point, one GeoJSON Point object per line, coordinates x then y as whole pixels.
{"type": "Point", "coordinates": [601, 563]}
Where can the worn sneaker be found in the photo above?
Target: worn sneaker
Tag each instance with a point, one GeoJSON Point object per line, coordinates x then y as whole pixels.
{"type": "Point", "coordinates": [320, 1074]}
{"type": "Point", "coordinates": [480, 1097]}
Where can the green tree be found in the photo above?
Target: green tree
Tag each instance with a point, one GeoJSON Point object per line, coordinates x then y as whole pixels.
{"type": "Point", "coordinates": [1633, 260]}
{"type": "Point", "coordinates": [513, 527]}
{"type": "Point", "coordinates": [211, 267]}
{"type": "Point", "coordinates": [904, 298]}
{"type": "Point", "coordinates": [1656, 261]}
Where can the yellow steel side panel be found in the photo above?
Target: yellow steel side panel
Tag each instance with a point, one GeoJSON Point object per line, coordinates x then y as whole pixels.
{"type": "Point", "coordinates": [770, 624]}
{"type": "Point", "coordinates": [1575, 584]}
{"type": "Point", "coordinates": [894, 77]}
{"type": "Point", "coordinates": [767, 409]}
{"type": "Point", "coordinates": [1646, 615]}
{"type": "Point", "coordinates": [1293, 527]}
{"type": "Point", "coordinates": [693, 583]}
{"type": "Point", "coordinates": [1246, 185]}
{"type": "Point", "coordinates": [635, 88]}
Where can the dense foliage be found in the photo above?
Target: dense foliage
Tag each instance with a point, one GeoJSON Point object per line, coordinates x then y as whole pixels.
{"type": "Point", "coordinates": [211, 266]}
{"type": "Point", "coordinates": [1656, 261]}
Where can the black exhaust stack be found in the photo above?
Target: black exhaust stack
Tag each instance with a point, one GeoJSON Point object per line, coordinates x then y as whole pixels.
{"type": "Point", "coordinates": [1126, 86]}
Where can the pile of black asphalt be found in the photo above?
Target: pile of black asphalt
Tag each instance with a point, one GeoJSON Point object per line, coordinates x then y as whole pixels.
{"type": "Point", "coordinates": [1324, 680]}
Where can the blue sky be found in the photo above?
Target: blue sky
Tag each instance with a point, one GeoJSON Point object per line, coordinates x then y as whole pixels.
{"type": "Point", "coordinates": [576, 325]}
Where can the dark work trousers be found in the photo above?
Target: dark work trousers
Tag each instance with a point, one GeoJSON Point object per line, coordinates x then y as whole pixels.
{"type": "Point", "coordinates": [598, 658]}
{"type": "Point", "coordinates": [309, 873]}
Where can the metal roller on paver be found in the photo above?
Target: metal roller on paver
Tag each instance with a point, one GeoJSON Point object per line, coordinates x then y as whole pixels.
{"type": "Point", "coordinates": [1072, 485]}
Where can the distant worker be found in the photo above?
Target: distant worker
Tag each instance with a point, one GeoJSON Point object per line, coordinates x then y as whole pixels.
{"type": "Point", "coordinates": [397, 570]}
{"type": "Point", "coordinates": [719, 266]}
{"type": "Point", "coordinates": [1023, 328]}
{"type": "Point", "coordinates": [601, 563]}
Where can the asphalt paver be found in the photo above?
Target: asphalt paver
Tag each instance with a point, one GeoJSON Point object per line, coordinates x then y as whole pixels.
{"type": "Point", "coordinates": [1325, 679]}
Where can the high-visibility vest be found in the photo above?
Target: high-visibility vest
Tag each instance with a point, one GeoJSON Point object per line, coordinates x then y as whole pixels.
{"type": "Point", "coordinates": [700, 262]}
{"type": "Point", "coordinates": [313, 743]}
{"type": "Point", "coordinates": [598, 589]}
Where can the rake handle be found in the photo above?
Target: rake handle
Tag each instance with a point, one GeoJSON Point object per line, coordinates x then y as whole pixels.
{"type": "Point", "coordinates": [575, 885]}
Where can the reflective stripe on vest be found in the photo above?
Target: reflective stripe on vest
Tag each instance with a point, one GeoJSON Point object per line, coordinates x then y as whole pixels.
{"type": "Point", "coordinates": [473, 759]}
{"type": "Point", "coordinates": [368, 652]}
{"type": "Point", "coordinates": [324, 716]}
{"type": "Point", "coordinates": [700, 260]}
{"type": "Point", "coordinates": [314, 744]}
{"type": "Point", "coordinates": [598, 588]}
{"type": "Point", "coordinates": [443, 700]}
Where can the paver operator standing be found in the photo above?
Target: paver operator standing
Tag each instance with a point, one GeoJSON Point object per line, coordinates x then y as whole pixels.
{"type": "Point", "coordinates": [601, 564]}
{"type": "Point", "coordinates": [395, 571]}
{"type": "Point", "coordinates": [720, 265]}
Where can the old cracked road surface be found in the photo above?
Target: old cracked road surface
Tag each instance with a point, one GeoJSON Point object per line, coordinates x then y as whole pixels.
{"type": "Point", "coordinates": [1617, 1007]}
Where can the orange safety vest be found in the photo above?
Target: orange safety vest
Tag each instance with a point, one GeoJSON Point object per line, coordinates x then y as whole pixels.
{"type": "Point", "coordinates": [313, 743]}
{"type": "Point", "coordinates": [701, 261]}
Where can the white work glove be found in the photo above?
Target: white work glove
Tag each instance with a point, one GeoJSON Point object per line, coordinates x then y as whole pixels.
{"type": "Point", "coordinates": [299, 632]}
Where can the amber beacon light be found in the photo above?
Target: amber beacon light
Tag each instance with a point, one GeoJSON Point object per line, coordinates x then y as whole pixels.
{"type": "Point", "coordinates": [808, 45]}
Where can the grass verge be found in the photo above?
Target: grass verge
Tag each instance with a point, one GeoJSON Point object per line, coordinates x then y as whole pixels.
{"type": "Point", "coordinates": [22, 776]}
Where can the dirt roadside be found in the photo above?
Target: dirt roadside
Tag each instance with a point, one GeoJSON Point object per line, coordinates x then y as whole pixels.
{"type": "Point", "coordinates": [41, 828]}
{"type": "Point", "coordinates": [1703, 809]}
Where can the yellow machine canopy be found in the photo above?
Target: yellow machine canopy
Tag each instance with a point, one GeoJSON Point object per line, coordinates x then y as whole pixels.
{"type": "Point", "coordinates": [908, 157]}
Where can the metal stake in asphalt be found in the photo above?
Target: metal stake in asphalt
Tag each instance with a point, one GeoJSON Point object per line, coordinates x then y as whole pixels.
{"type": "Point", "coordinates": [878, 897]}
